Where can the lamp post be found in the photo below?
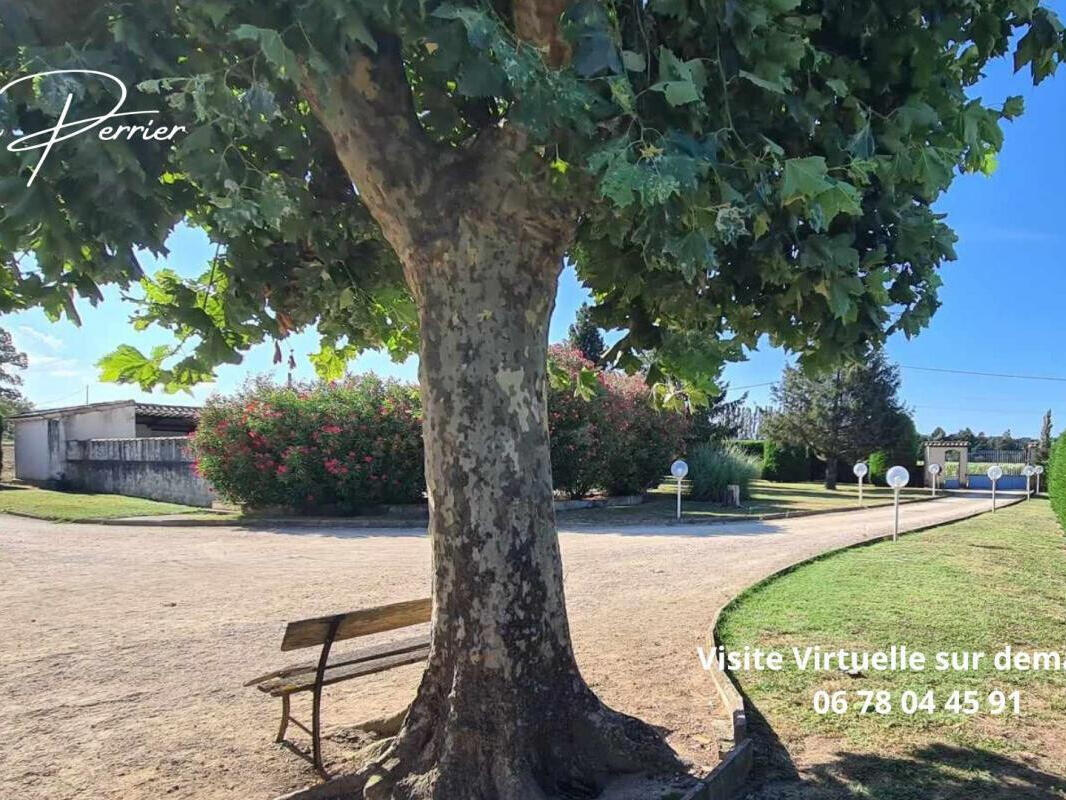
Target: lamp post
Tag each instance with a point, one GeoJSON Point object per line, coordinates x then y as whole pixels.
{"type": "Point", "coordinates": [995, 472]}
{"type": "Point", "coordinates": [934, 470]}
{"type": "Point", "coordinates": [1038, 470]}
{"type": "Point", "coordinates": [679, 469]}
{"type": "Point", "coordinates": [897, 478]}
{"type": "Point", "coordinates": [860, 470]}
{"type": "Point", "coordinates": [1028, 471]}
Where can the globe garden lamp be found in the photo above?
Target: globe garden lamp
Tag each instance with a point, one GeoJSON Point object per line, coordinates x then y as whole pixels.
{"type": "Point", "coordinates": [995, 472]}
{"type": "Point", "coordinates": [679, 469]}
{"type": "Point", "coordinates": [860, 471]}
{"type": "Point", "coordinates": [934, 470]}
{"type": "Point", "coordinates": [897, 478]}
{"type": "Point", "coordinates": [1028, 471]}
{"type": "Point", "coordinates": [1038, 470]}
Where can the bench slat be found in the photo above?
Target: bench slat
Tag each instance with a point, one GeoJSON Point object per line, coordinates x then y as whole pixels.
{"type": "Point", "coordinates": [310, 632]}
{"type": "Point", "coordinates": [305, 681]}
{"type": "Point", "coordinates": [365, 654]}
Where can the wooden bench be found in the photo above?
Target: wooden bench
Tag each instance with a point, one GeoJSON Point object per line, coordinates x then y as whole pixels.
{"type": "Point", "coordinates": [325, 631]}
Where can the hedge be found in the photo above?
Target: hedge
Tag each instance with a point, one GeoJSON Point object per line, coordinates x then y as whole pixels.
{"type": "Point", "coordinates": [1056, 477]}
{"type": "Point", "coordinates": [785, 463]}
{"type": "Point", "coordinates": [357, 444]}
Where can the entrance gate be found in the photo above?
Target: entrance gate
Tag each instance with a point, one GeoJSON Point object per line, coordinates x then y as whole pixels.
{"type": "Point", "coordinates": [955, 459]}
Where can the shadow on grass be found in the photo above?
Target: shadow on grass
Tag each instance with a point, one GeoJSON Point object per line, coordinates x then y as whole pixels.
{"type": "Point", "coordinates": [930, 772]}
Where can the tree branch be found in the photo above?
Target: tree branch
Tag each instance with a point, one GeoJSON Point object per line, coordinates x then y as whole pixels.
{"type": "Point", "coordinates": [538, 23]}
{"type": "Point", "coordinates": [370, 115]}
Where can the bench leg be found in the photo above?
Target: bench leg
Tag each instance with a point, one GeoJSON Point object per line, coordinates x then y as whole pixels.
{"type": "Point", "coordinates": [284, 718]}
{"type": "Point", "coordinates": [316, 704]}
{"type": "Point", "coordinates": [316, 728]}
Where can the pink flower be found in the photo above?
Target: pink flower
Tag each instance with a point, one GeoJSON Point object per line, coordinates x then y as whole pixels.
{"type": "Point", "coordinates": [282, 469]}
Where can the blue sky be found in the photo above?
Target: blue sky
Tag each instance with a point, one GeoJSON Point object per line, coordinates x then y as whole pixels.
{"type": "Point", "coordinates": [1002, 301]}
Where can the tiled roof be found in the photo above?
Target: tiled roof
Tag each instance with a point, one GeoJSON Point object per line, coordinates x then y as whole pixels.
{"type": "Point", "coordinates": [163, 410]}
{"type": "Point", "coordinates": [147, 409]}
{"type": "Point", "coordinates": [946, 443]}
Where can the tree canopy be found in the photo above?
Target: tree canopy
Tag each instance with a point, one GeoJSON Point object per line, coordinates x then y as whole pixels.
{"type": "Point", "coordinates": [741, 168]}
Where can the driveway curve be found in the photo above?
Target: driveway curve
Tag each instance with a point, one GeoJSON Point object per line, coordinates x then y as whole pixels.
{"type": "Point", "coordinates": [126, 647]}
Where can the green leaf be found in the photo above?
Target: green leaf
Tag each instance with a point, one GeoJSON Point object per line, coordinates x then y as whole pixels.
{"type": "Point", "coordinates": [587, 384]}
{"type": "Point", "coordinates": [620, 181]}
{"type": "Point", "coordinates": [770, 85]}
{"type": "Point", "coordinates": [804, 179]}
{"type": "Point", "coordinates": [355, 28]}
{"type": "Point", "coordinates": [1013, 107]}
{"type": "Point", "coordinates": [634, 62]}
{"type": "Point", "coordinates": [840, 89]}
{"type": "Point", "coordinates": [273, 48]}
{"type": "Point", "coordinates": [678, 93]}
{"type": "Point", "coordinates": [839, 198]}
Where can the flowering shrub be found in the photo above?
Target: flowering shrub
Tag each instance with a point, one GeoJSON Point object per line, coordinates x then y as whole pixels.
{"type": "Point", "coordinates": [615, 440]}
{"type": "Point", "coordinates": [577, 427]}
{"type": "Point", "coordinates": [351, 444]}
{"type": "Point", "coordinates": [642, 441]}
{"type": "Point", "coordinates": [358, 443]}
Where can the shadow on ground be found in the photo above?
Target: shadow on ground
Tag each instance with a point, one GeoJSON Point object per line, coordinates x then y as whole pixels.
{"type": "Point", "coordinates": [929, 772]}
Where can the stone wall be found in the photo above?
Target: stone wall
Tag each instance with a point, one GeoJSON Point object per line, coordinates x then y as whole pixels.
{"type": "Point", "coordinates": [158, 468]}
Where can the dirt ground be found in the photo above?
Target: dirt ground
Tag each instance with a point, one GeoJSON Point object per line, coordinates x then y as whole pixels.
{"type": "Point", "coordinates": [126, 648]}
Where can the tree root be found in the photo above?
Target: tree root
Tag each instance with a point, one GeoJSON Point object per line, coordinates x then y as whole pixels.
{"type": "Point", "coordinates": [574, 763]}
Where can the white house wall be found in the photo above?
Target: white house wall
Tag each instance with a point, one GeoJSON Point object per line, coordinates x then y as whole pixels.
{"type": "Point", "coordinates": [32, 462]}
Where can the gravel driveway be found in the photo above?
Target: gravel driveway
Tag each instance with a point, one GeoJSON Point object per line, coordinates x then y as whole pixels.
{"type": "Point", "coordinates": [125, 647]}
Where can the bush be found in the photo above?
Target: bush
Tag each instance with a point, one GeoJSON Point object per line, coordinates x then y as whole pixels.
{"type": "Point", "coordinates": [1056, 477]}
{"type": "Point", "coordinates": [784, 463]}
{"type": "Point", "coordinates": [712, 468]}
{"type": "Point", "coordinates": [358, 443]}
{"type": "Point", "coordinates": [577, 427]}
{"type": "Point", "coordinates": [352, 444]}
{"type": "Point", "coordinates": [878, 464]}
{"type": "Point", "coordinates": [756, 448]}
{"type": "Point", "coordinates": [639, 442]}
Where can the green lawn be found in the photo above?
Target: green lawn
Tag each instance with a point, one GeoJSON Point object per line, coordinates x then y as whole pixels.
{"type": "Point", "coordinates": [972, 586]}
{"type": "Point", "coordinates": [73, 506]}
{"type": "Point", "coordinates": [766, 498]}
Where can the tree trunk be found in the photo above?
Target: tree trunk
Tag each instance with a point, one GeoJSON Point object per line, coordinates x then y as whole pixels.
{"type": "Point", "coordinates": [502, 712]}
{"type": "Point", "coordinates": [831, 472]}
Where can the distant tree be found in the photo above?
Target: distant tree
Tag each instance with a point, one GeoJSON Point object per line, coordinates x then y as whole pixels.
{"type": "Point", "coordinates": [11, 399]}
{"type": "Point", "coordinates": [846, 413]}
{"type": "Point", "coordinates": [938, 434]}
{"type": "Point", "coordinates": [1043, 449]}
{"type": "Point", "coordinates": [718, 421]}
{"type": "Point", "coordinates": [965, 435]}
{"type": "Point", "coordinates": [585, 335]}
{"type": "Point", "coordinates": [10, 357]}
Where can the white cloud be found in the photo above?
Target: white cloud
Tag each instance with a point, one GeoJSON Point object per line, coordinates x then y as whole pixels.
{"type": "Point", "coordinates": [49, 341]}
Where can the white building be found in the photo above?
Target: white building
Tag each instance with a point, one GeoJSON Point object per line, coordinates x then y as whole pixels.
{"type": "Point", "coordinates": [41, 436]}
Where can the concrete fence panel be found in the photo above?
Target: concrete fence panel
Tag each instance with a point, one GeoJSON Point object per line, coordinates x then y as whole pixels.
{"type": "Point", "coordinates": [157, 468]}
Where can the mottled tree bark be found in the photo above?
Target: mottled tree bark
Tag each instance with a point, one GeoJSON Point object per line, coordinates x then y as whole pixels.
{"type": "Point", "coordinates": [502, 712]}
